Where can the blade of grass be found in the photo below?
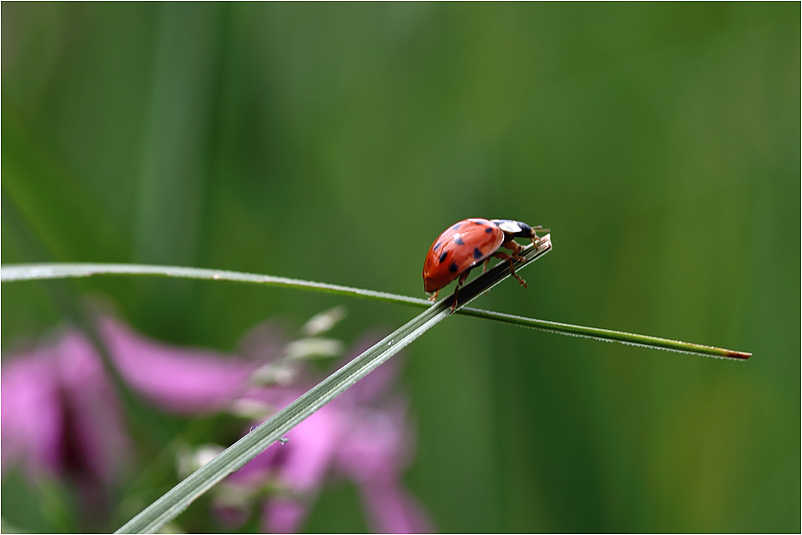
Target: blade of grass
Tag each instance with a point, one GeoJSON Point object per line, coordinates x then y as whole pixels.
{"type": "Point", "coordinates": [233, 458]}
{"type": "Point", "coordinates": [607, 335]}
{"type": "Point", "coordinates": [27, 272]}
{"type": "Point", "coordinates": [22, 272]}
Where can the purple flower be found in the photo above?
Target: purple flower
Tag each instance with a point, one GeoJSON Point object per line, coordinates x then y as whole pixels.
{"type": "Point", "coordinates": [363, 436]}
{"type": "Point", "coordinates": [178, 379]}
{"type": "Point", "coordinates": [60, 415]}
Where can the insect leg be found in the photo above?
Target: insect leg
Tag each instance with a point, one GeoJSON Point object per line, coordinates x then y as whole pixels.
{"type": "Point", "coordinates": [459, 283]}
{"type": "Point", "coordinates": [512, 258]}
{"type": "Point", "coordinates": [516, 248]}
{"type": "Point", "coordinates": [535, 237]}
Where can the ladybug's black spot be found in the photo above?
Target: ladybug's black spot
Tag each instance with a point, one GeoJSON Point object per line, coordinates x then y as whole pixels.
{"type": "Point", "coordinates": [437, 246]}
{"type": "Point", "coordinates": [477, 254]}
{"type": "Point", "coordinates": [456, 227]}
{"type": "Point", "coordinates": [458, 240]}
{"type": "Point", "coordinates": [478, 222]}
{"type": "Point", "coordinates": [488, 230]}
{"type": "Point", "coordinates": [443, 257]}
{"type": "Point", "coordinates": [453, 267]}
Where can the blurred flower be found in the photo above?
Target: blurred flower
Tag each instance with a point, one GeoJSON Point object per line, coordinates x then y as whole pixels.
{"type": "Point", "coordinates": [60, 414]}
{"type": "Point", "coordinates": [362, 435]}
{"type": "Point", "coordinates": [178, 379]}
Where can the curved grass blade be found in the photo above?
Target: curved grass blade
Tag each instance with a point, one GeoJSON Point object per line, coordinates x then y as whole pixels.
{"type": "Point", "coordinates": [236, 456]}
{"type": "Point", "coordinates": [27, 272]}
{"type": "Point", "coordinates": [23, 272]}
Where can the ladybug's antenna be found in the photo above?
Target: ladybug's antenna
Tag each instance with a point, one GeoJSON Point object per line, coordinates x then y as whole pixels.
{"type": "Point", "coordinates": [535, 238]}
{"type": "Point", "coordinates": [538, 228]}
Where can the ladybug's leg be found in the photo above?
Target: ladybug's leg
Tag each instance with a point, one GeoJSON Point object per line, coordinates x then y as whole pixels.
{"type": "Point", "coordinates": [516, 248]}
{"type": "Point", "coordinates": [433, 297]}
{"type": "Point", "coordinates": [512, 258]}
{"type": "Point", "coordinates": [459, 283]}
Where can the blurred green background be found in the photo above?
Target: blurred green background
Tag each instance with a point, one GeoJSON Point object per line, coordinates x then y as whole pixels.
{"type": "Point", "coordinates": [334, 142]}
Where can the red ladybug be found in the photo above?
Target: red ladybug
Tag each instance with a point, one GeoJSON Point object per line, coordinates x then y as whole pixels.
{"type": "Point", "coordinates": [463, 245]}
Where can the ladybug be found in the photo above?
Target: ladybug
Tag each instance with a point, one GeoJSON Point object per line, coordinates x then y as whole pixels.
{"type": "Point", "coordinates": [463, 245]}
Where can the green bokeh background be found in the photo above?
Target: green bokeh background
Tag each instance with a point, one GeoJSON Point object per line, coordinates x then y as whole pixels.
{"type": "Point", "coordinates": [333, 142]}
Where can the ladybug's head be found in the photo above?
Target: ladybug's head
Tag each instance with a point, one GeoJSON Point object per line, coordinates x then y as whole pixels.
{"type": "Point", "coordinates": [518, 229]}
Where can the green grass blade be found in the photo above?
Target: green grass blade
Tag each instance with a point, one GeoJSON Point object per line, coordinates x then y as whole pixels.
{"type": "Point", "coordinates": [23, 272]}
{"type": "Point", "coordinates": [182, 495]}
{"type": "Point", "coordinates": [607, 335]}
{"type": "Point", "coordinates": [27, 272]}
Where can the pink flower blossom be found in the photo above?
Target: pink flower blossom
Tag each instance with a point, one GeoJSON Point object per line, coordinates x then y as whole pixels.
{"type": "Point", "coordinates": [362, 436]}
{"type": "Point", "coordinates": [60, 412]}
{"type": "Point", "coordinates": [61, 416]}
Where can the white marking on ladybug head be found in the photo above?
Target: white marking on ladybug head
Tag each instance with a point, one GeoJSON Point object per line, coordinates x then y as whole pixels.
{"type": "Point", "coordinates": [508, 225]}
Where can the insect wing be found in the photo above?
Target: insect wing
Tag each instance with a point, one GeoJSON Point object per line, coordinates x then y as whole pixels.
{"type": "Point", "coordinates": [458, 249]}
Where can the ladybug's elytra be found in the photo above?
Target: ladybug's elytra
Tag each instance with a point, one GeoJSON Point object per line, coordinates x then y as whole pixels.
{"type": "Point", "coordinates": [463, 245]}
